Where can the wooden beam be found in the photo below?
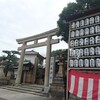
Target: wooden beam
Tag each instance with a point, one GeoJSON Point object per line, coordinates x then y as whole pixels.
{"type": "Point", "coordinates": [53, 41]}
{"type": "Point", "coordinates": [39, 36]}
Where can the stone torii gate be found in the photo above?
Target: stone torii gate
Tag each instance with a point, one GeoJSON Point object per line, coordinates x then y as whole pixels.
{"type": "Point", "coordinates": [34, 39]}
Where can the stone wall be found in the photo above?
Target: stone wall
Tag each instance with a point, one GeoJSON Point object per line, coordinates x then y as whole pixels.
{"type": "Point", "coordinates": [4, 80]}
{"type": "Point", "coordinates": [1, 72]}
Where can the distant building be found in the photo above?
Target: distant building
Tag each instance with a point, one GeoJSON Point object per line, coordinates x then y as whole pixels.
{"type": "Point", "coordinates": [32, 60]}
{"type": "Point", "coordinates": [32, 55]}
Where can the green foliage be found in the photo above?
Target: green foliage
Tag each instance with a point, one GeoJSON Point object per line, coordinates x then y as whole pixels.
{"type": "Point", "coordinates": [73, 8]}
{"type": "Point", "coordinates": [59, 53]}
{"type": "Point", "coordinates": [9, 61]}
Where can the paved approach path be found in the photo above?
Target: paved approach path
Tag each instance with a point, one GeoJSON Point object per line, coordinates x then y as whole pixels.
{"type": "Point", "coordinates": [12, 95]}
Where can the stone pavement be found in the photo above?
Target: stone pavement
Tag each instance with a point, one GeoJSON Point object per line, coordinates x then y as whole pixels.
{"type": "Point", "coordinates": [12, 95]}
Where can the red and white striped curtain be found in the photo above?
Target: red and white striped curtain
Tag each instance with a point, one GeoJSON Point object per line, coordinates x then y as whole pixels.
{"type": "Point", "coordinates": [84, 85]}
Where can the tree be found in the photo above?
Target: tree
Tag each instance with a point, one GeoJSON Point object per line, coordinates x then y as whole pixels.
{"type": "Point", "coordinates": [80, 6]}
{"type": "Point", "coordinates": [59, 53]}
{"type": "Point", "coordinates": [9, 61]}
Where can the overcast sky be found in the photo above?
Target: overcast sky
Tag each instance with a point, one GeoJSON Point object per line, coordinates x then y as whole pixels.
{"type": "Point", "coordinates": [22, 18]}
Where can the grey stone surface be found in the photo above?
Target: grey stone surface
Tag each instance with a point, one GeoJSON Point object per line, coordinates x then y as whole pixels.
{"type": "Point", "coordinates": [12, 95]}
{"type": "Point", "coordinates": [72, 97]}
{"type": "Point", "coordinates": [29, 89]}
{"type": "Point", "coordinates": [2, 99]}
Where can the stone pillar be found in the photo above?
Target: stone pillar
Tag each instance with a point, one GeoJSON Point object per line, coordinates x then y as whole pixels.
{"type": "Point", "coordinates": [60, 71]}
{"type": "Point", "coordinates": [48, 54]}
{"type": "Point", "coordinates": [20, 67]}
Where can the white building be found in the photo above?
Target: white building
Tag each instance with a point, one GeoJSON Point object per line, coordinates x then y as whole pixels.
{"type": "Point", "coordinates": [32, 55]}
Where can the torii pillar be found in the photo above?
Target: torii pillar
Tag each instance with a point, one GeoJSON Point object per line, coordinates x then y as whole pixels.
{"type": "Point", "coordinates": [20, 67]}
{"type": "Point", "coordinates": [47, 68]}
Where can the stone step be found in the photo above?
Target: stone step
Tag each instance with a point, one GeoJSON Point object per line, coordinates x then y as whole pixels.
{"type": "Point", "coordinates": [33, 85]}
{"type": "Point", "coordinates": [23, 91]}
{"type": "Point", "coordinates": [25, 87]}
{"type": "Point", "coordinates": [26, 90]}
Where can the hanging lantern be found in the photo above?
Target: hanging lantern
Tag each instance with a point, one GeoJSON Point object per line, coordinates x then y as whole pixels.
{"type": "Point", "coordinates": [97, 62]}
{"type": "Point", "coordinates": [86, 31]}
{"type": "Point", "coordinates": [92, 20]}
{"type": "Point", "coordinates": [86, 62]}
{"type": "Point", "coordinates": [72, 52]}
{"type": "Point", "coordinates": [97, 19]}
{"type": "Point", "coordinates": [92, 63]}
{"type": "Point", "coordinates": [77, 33]}
{"type": "Point", "coordinates": [86, 21]}
{"type": "Point", "coordinates": [92, 51]}
{"type": "Point", "coordinates": [72, 43]}
{"type": "Point", "coordinates": [97, 50]}
{"type": "Point", "coordinates": [97, 29]}
{"type": "Point", "coordinates": [81, 42]}
{"type": "Point", "coordinates": [86, 51]}
{"type": "Point", "coordinates": [82, 23]}
{"type": "Point", "coordinates": [77, 24]}
{"type": "Point", "coordinates": [91, 40]}
{"type": "Point", "coordinates": [72, 34]}
{"type": "Point", "coordinates": [73, 25]}
{"type": "Point", "coordinates": [80, 62]}
{"type": "Point", "coordinates": [97, 39]}
{"type": "Point", "coordinates": [81, 32]}
{"type": "Point", "coordinates": [75, 63]}
{"type": "Point", "coordinates": [86, 41]}
{"type": "Point", "coordinates": [81, 52]}
{"type": "Point", "coordinates": [71, 63]}
{"type": "Point", "coordinates": [91, 30]}
{"type": "Point", "coordinates": [77, 52]}
{"type": "Point", "coordinates": [76, 42]}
